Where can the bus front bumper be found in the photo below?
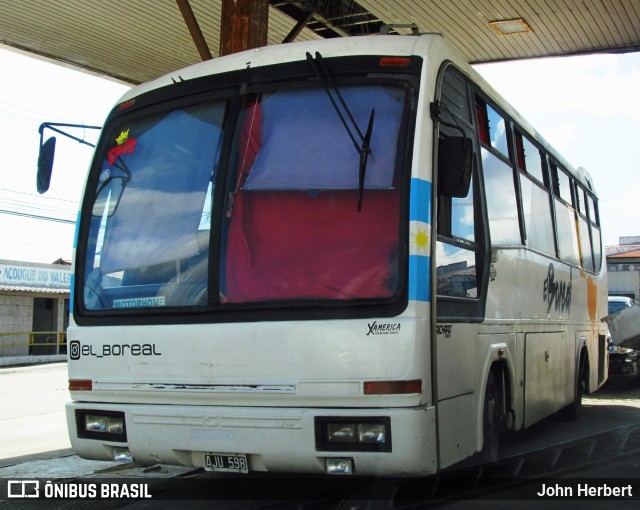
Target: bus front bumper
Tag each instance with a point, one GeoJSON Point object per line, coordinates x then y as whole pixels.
{"type": "Point", "coordinates": [372, 441]}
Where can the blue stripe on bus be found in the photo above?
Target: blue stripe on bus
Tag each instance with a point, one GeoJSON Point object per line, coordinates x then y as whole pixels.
{"type": "Point", "coordinates": [75, 236]}
{"type": "Point", "coordinates": [419, 278]}
{"type": "Point", "coordinates": [72, 283]}
{"type": "Point", "coordinates": [420, 202]}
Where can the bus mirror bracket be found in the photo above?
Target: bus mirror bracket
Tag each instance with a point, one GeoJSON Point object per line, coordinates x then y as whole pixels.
{"type": "Point", "coordinates": [47, 150]}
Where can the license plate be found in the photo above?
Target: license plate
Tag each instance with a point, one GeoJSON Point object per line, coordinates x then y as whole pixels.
{"type": "Point", "coordinates": [226, 462]}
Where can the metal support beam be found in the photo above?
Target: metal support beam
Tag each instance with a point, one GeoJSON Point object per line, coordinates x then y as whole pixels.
{"type": "Point", "coordinates": [244, 25]}
{"type": "Point", "coordinates": [194, 29]}
{"type": "Point", "coordinates": [295, 31]}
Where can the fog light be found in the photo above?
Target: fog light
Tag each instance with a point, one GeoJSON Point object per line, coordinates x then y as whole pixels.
{"type": "Point", "coordinates": [341, 432]}
{"type": "Point", "coordinates": [121, 455]}
{"type": "Point", "coordinates": [339, 466]}
{"type": "Point", "coordinates": [371, 433]}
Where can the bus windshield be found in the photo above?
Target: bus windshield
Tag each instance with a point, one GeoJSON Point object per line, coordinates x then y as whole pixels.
{"type": "Point", "coordinates": [197, 206]}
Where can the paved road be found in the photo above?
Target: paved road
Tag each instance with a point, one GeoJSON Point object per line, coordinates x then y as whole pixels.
{"type": "Point", "coordinates": [32, 421]}
{"type": "Point", "coordinates": [32, 418]}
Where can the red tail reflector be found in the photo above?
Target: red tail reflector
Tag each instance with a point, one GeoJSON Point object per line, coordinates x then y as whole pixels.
{"type": "Point", "coordinates": [392, 387]}
{"type": "Point", "coordinates": [125, 105]}
{"type": "Point", "coordinates": [394, 62]}
{"type": "Point", "coordinates": [80, 384]}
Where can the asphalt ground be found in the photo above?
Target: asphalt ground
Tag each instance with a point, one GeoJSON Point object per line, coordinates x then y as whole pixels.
{"type": "Point", "coordinates": [602, 447]}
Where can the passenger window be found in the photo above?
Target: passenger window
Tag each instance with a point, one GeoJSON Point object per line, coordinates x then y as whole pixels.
{"type": "Point", "coordinates": [579, 201]}
{"type": "Point", "coordinates": [497, 131]}
{"type": "Point", "coordinates": [596, 238]}
{"type": "Point", "coordinates": [492, 128]}
{"type": "Point", "coordinates": [589, 232]}
{"type": "Point", "coordinates": [501, 200]}
{"type": "Point", "coordinates": [583, 197]}
{"type": "Point", "coordinates": [597, 247]}
{"type": "Point", "coordinates": [585, 245]}
{"type": "Point", "coordinates": [567, 236]}
{"type": "Point", "coordinates": [528, 157]}
{"type": "Point", "coordinates": [593, 213]}
{"type": "Point", "coordinates": [537, 216]}
{"type": "Point", "coordinates": [561, 183]}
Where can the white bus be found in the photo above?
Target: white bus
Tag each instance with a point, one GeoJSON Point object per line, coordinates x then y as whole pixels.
{"type": "Point", "coordinates": [342, 256]}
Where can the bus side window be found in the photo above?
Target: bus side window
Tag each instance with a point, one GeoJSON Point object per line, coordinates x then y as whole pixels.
{"type": "Point", "coordinates": [502, 206]}
{"type": "Point", "coordinates": [567, 236]}
{"type": "Point", "coordinates": [456, 269]}
{"type": "Point", "coordinates": [499, 177]}
{"type": "Point", "coordinates": [536, 202]}
{"type": "Point", "coordinates": [483, 124]}
{"type": "Point", "coordinates": [596, 239]}
{"type": "Point", "coordinates": [528, 157]}
{"type": "Point", "coordinates": [589, 230]}
{"type": "Point", "coordinates": [492, 127]}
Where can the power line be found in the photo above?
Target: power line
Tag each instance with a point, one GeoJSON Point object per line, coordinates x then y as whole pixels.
{"type": "Point", "coordinates": [38, 206]}
{"type": "Point", "coordinates": [38, 196]}
{"type": "Point", "coordinates": [37, 217]}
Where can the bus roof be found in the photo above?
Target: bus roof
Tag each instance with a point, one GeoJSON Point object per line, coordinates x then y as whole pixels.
{"type": "Point", "coordinates": [429, 46]}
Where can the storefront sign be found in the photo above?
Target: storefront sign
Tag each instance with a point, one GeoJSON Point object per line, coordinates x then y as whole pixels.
{"type": "Point", "coordinates": [35, 276]}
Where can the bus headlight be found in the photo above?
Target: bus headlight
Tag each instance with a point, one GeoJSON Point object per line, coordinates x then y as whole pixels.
{"type": "Point", "coordinates": [372, 433]}
{"type": "Point", "coordinates": [353, 434]}
{"type": "Point", "coordinates": [108, 424]}
{"type": "Point", "coordinates": [104, 425]}
{"type": "Point", "coordinates": [341, 432]}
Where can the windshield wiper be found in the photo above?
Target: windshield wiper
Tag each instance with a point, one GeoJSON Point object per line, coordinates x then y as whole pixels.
{"type": "Point", "coordinates": [363, 148]}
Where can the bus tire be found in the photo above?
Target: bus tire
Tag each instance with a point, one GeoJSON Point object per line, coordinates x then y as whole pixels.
{"type": "Point", "coordinates": [493, 418]}
{"type": "Point", "coordinates": [582, 374]}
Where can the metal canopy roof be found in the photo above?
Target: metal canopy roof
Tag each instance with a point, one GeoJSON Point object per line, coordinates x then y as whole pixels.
{"type": "Point", "coordinates": [138, 40]}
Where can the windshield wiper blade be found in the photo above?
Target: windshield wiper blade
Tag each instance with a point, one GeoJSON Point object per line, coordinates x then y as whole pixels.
{"type": "Point", "coordinates": [363, 148]}
{"type": "Point", "coordinates": [364, 156]}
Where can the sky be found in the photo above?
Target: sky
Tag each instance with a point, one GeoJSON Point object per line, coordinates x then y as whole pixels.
{"type": "Point", "coordinates": [587, 107]}
{"type": "Point", "coordinates": [33, 91]}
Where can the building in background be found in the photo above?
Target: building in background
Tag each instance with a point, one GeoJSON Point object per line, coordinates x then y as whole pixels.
{"type": "Point", "coordinates": [34, 310]}
{"type": "Point", "coordinates": [623, 265]}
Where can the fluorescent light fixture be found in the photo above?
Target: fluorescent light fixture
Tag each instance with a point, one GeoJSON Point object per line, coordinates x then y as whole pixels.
{"type": "Point", "coordinates": [510, 26]}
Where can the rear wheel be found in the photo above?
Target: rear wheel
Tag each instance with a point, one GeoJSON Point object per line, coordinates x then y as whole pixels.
{"type": "Point", "coordinates": [582, 370]}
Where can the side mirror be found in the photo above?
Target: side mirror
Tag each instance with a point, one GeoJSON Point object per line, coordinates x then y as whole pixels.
{"type": "Point", "coordinates": [45, 164]}
{"type": "Point", "coordinates": [48, 148]}
{"type": "Point", "coordinates": [455, 161]}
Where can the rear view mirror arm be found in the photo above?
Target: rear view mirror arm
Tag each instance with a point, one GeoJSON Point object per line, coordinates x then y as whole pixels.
{"type": "Point", "coordinates": [53, 126]}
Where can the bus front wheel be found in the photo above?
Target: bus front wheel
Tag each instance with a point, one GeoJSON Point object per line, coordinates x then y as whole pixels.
{"type": "Point", "coordinates": [493, 417]}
